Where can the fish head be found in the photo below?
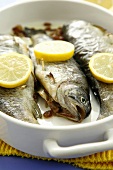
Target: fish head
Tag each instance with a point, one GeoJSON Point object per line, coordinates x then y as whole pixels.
{"type": "Point", "coordinates": [75, 99]}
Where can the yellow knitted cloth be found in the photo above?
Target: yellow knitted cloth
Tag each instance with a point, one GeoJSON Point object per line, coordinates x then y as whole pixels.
{"type": "Point", "coordinates": [98, 161]}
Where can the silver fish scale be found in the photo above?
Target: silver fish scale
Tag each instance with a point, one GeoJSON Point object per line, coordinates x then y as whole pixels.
{"type": "Point", "coordinates": [10, 43]}
{"type": "Point", "coordinates": [18, 102]}
{"type": "Point", "coordinates": [67, 85]}
{"type": "Point", "coordinates": [88, 40]}
{"type": "Point", "coordinates": [61, 72]}
{"type": "Point", "coordinates": [95, 38]}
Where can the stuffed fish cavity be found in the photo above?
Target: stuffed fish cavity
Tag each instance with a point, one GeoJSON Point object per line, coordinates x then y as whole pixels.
{"type": "Point", "coordinates": [68, 88]}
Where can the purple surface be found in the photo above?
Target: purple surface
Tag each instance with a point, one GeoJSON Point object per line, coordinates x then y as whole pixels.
{"type": "Point", "coordinates": [18, 163]}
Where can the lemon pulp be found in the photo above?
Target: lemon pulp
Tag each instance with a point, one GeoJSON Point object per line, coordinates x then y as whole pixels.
{"type": "Point", "coordinates": [101, 67]}
{"type": "Point", "coordinates": [52, 51]}
{"type": "Point", "coordinates": [15, 69]}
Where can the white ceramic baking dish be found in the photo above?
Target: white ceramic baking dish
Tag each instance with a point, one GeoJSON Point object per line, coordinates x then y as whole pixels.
{"type": "Point", "coordinates": [58, 138]}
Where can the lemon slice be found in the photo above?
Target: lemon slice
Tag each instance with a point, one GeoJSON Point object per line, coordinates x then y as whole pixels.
{"type": "Point", "coordinates": [105, 3]}
{"type": "Point", "coordinates": [53, 51]}
{"type": "Point", "coordinates": [15, 69]}
{"type": "Point", "coordinates": [101, 66]}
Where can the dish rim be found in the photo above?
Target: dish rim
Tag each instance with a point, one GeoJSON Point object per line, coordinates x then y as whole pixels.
{"type": "Point", "coordinates": [76, 1]}
{"type": "Point", "coordinates": [65, 127]}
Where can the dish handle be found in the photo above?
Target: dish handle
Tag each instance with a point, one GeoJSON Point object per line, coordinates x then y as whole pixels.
{"type": "Point", "coordinates": [54, 150]}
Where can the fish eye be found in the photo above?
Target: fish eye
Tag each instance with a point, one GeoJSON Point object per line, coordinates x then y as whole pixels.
{"type": "Point", "coordinates": [83, 100]}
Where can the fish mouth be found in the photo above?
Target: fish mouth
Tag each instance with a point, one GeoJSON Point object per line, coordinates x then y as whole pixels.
{"type": "Point", "coordinates": [57, 110]}
{"type": "Point", "coordinates": [81, 113]}
{"type": "Point", "coordinates": [78, 115]}
{"type": "Point", "coordinates": [76, 109]}
{"type": "Point", "coordinates": [75, 101]}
